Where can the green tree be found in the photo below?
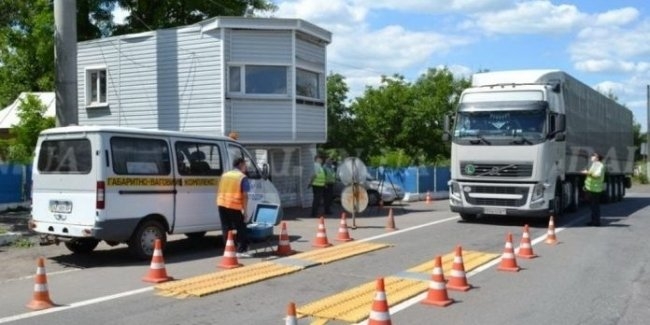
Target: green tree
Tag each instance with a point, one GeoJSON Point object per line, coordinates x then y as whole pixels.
{"type": "Point", "coordinates": [404, 119]}
{"type": "Point", "coordinates": [342, 132]}
{"type": "Point", "coordinates": [20, 148]}
{"type": "Point", "coordinates": [154, 14]}
{"type": "Point", "coordinates": [26, 48]}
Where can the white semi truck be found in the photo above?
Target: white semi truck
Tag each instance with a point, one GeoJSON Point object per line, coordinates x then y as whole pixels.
{"type": "Point", "coordinates": [520, 140]}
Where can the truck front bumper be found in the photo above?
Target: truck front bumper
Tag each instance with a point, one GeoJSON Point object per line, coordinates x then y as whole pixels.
{"type": "Point", "coordinates": [508, 212]}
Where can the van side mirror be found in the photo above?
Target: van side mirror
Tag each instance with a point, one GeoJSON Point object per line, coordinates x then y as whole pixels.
{"type": "Point", "coordinates": [266, 171]}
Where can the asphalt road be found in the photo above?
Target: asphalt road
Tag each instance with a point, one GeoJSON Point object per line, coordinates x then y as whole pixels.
{"type": "Point", "coordinates": [593, 276]}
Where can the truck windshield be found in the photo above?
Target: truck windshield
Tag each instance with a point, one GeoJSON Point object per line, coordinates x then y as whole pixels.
{"type": "Point", "coordinates": [521, 126]}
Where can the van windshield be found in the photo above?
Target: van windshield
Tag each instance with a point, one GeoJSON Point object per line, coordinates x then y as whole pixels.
{"type": "Point", "coordinates": [65, 157]}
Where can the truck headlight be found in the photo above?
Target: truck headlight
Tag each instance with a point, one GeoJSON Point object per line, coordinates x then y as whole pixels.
{"type": "Point", "coordinates": [538, 192]}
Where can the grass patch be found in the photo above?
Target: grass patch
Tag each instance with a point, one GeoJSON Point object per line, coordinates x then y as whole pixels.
{"type": "Point", "coordinates": [3, 230]}
{"type": "Point", "coordinates": [23, 243]}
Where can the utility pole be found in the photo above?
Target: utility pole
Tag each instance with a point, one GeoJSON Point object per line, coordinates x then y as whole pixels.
{"type": "Point", "coordinates": [65, 61]}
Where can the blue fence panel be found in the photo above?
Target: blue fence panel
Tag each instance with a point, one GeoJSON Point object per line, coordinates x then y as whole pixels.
{"type": "Point", "coordinates": [443, 175]}
{"type": "Point", "coordinates": [11, 178]}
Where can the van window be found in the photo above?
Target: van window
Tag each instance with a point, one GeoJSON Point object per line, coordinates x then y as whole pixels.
{"type": "Point", "coordinates": [134, 156]}
{"type": "Point", "coordinates": [236, 151]}
{"type": "Point", "coordinates": [198, 159]}
{"type": "Point", "coordinates": [65, 157]}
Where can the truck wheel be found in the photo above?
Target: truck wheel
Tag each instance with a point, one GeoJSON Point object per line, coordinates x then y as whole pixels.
{"type": "Point", "coordinates": [574, 197]}
{"type": "Point", "coordinates": [556, 203]}
{"type": "Point", "coordinates": [82, 245]}
{"type": "Point", "coordinates": [143, 239]}
{"type": "Point", "coordinates": [468, 217]}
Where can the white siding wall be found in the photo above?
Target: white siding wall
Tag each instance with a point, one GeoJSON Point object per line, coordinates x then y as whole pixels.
{"type": "Point", "coordinates": [260, 46]}
{"type": "Point", "coordinates": [311, 123]}
{"type": "Point", "coordinates": [261, 120]}
{"type": "Point", "coordinates": [168, 79]}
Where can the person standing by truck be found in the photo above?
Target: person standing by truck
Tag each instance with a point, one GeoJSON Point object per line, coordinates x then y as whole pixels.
{"type": "Point", "coordinates": [330, 179]}
{"type": "Point", "coordinates": [232, 199]}
{"type": "Point", "coordinates": [594, 184]}
{"type": "Point", "coordinates": [317, 184]}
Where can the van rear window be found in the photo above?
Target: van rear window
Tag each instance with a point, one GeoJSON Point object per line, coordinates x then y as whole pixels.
{"type": "Point", "coordinates": [65, 157]}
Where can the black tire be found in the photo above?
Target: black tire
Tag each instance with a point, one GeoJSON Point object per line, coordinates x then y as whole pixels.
{"type": "Point", "coordinates": [195, 235]}
{"type": "Point", "coordinates": [556, 203]}
{"type": "Point", "coordinates": [387, 203]}
{"type": "Point", "coordinates": [141, 244]}
{"type": "Point", "coordinates": [82, 245]}
{"type": "Point", "coordinates": [468, 217]}
{"type": "Point", "coordinates": [574, 197]}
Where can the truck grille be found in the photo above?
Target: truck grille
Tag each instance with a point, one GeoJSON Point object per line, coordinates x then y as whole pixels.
{"type": "Point", "coordinates": [496, 170]}
{"type": "Point", "coordinates": [523, 191]}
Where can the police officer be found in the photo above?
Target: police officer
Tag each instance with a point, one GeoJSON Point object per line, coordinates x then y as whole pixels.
{"type": "Point", "coordinates": [594, 186]}
{"type": "Point", "coordinates": [330, 179]}
{"type": "Point", "coordinates": [317, 184]}
{"type": "Point", "coordinates": [232, 199]}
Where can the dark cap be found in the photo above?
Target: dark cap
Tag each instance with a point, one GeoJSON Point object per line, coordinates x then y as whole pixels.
{"type": "Point", "coordinates": [597, 155]}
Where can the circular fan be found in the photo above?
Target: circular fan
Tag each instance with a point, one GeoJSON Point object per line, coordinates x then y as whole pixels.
{"type": "Point", "coordinates": [354, 198]}
{"type": "Point", "coordinates": [352, 171]}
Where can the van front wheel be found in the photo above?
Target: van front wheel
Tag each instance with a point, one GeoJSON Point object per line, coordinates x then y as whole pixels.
{"type": "Point", "coordinates": [82, 245]}
{"type": "Point", "coordinates": [143, 239]}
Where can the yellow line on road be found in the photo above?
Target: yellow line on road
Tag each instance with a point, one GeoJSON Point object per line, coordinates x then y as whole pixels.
{"type": "Point", "coordinates": [338, 252]}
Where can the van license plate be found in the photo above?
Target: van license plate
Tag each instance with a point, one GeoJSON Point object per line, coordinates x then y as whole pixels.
{"type": "Point", "coordinates": [499, 211]}
{"type": "Point", "coordinates": [60, 206]}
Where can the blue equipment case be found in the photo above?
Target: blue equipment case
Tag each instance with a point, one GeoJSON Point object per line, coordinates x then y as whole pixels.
{"type": "Point", "coordinates": [262, 222]}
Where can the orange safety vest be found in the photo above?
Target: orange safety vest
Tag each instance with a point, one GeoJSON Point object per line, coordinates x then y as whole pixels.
{"type": "Point", "coordinates": [230, 192]}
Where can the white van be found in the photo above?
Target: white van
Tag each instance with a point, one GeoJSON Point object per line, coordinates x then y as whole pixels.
{"type": "Point", "coordinates": [127, 185]}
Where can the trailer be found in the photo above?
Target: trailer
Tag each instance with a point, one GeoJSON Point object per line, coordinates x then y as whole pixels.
{"type": "Point", "coordinates": [521, 138]}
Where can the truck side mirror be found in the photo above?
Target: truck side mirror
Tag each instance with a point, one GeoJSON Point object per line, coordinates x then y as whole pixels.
{"type": "Point", "coordinates": [561, 123]}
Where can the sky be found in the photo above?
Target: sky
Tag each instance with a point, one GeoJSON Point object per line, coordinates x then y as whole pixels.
{"type": "Point", "coordinates": [605, 44]}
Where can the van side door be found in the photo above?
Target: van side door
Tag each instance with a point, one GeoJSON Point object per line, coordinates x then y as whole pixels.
{"type": "Point", "coordinates": [199, 165]}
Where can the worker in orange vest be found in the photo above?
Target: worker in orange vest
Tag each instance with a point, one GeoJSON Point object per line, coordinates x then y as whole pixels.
{"type": "Point", "coordinates": [232, 199]}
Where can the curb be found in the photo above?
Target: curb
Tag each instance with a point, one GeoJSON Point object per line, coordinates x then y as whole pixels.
{"type": "Point", "coordinates": [9, 238]}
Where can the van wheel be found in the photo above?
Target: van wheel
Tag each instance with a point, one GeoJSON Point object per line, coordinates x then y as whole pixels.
{"type": "Point", "coordinates": [468, 216]}
{"type": "Point", "coordinates": [143, 239]}
{"type": "Point", "coordinates": [195, 235]}
{"type": "Point", "coordinates": [82, 245]}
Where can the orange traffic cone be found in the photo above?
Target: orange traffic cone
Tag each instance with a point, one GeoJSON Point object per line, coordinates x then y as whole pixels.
{"type": "Point", "coordinates": [284, 246]}
{"type": "Point", "coordinates": [458, 278]}
{"type": "Point", "coordinates": [525, 248]}
{"type": "Point", "coordinates": [41, 297]}
{"type": "Point", "coordinates": [437, 294]}
{"type": "Point", "coordinates": [428, 198]}
{"type": "Point", "coordinates": [343, 235]}
{"type": "Point", "coordinates": [229, 260]}
{"type": "Point", "coordinates": [508, 260]}
{"type": "Point", "coordinates": [291, 318]}
{"type": "Point", "coordinates": [390, 225]}
{"type": "Point", "coordinates": [379, 314]}
{"type": "Point", "coordinates": [321, 235]}
{"type": "Point", "coordinates": [157, 272]}
{"type": "Point", "coordinates": [550, 234]}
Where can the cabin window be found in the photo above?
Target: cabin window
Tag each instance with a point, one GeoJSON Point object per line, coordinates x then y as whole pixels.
{"type": "Point", "coordinates": [264, 79]}
{"type": "Point", "coordinates": [307, 84]}
{"type": "Point", "coordinates": [96, 86]}
{"type": "Point", "coordinates": [139, 156]}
